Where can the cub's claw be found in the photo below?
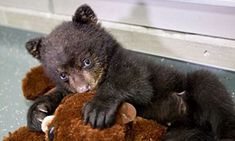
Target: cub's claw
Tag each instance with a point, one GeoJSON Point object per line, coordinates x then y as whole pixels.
{"type": "Point", "coordinates": [100, 114]}
{"type": "Point", "coordinates": [36, 113]}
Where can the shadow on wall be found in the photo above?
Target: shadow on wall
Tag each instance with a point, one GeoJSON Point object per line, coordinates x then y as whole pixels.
{"type": "Point", "coordinates": [139, 10]}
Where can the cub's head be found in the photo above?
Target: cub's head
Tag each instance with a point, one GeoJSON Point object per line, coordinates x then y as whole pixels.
{"type": "Point", "coordinates": [75, 54]}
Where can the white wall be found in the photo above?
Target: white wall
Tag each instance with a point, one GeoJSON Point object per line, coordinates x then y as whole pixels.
{"type": "Point", "coordinates": [207, 17]}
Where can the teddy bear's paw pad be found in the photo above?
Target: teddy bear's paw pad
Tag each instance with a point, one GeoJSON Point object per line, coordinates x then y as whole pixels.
{"type": "Point", "coordinates": [127, 113]}
{"type": "Point", "coordinates": [45, 123]}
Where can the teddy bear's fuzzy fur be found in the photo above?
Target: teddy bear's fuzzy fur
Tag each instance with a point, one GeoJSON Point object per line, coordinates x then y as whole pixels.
{"type": "Point", "coordinates": [68, 123]}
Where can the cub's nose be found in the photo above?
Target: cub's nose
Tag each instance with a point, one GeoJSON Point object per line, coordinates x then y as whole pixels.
{"type": "Point", "coordinates": [83, 89]}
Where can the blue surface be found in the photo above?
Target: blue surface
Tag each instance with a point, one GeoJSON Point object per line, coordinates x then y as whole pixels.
{"type": "Point", "coordinates": [15, 62]}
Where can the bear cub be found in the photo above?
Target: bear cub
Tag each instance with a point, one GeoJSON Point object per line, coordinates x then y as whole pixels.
{"type": "Point", "coordinates": [80, 56]}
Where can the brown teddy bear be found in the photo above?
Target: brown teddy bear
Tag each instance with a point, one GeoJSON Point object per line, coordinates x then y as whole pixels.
{"type": "Point", "coordinates": [67, 123]}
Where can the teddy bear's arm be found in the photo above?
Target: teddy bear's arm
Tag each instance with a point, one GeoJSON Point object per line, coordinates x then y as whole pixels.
{"type": "Point", "coordinates": [42, 107]}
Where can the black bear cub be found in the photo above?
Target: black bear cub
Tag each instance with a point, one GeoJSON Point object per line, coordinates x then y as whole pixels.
{"type": "Point", "coordinates": [81, 56]}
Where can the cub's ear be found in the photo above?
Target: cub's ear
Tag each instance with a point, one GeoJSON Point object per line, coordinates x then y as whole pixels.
{"type": "Point", "coordinates": [34, 46]}
{"type": "Point", "coordinates": [84, 14]}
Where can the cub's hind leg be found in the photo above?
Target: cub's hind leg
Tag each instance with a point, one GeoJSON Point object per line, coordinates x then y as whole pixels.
{"type": "Point", "coordinates": [187, 134]}
{"type": "Point", "coordinates": [210, 104]}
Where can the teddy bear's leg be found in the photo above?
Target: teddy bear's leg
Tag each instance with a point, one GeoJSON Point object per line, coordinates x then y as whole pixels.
{"type": "Point", "coordinates": [24, 134]}
{"type": "Point", "coordinates": [187, 134]}
{"type": "Point", "coordinates": [43, 107]}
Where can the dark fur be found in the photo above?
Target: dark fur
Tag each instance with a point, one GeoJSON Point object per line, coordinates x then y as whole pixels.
{"type": "Point", "coordinates": [203, 112]}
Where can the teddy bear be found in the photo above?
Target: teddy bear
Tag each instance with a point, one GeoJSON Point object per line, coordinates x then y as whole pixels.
{"type": "Point", "coordinates": [67, 122]}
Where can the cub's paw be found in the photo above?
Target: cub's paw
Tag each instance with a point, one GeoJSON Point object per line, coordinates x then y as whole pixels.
{"type": "Point", "coordinates": [36, 113]}
{"type": "Point", "coordinates": [100, 114]}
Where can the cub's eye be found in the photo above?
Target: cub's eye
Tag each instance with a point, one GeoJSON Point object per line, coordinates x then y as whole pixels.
{"type": "Point", "coordinates": [64, 76]}
{"type": "Point", "coordinates": [87, 62]}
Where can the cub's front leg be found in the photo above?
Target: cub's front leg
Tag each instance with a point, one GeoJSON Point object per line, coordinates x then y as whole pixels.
{"type": "Point", "coordinates": [43, 107]}
{"type": "Point", "coordinates": [100, 112]}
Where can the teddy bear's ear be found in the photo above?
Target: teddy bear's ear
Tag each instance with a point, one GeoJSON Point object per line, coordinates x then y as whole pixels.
{"type": "Point", "coordinates": [84, 14]}
{"type": "Point", "coordinates": [34, 46]}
